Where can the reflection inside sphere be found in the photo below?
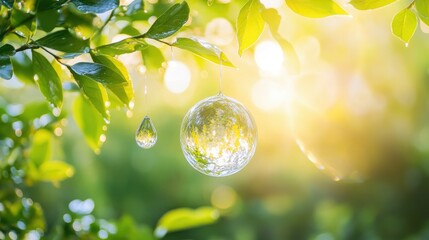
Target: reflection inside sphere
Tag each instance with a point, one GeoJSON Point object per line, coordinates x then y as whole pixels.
{"type": "Point", "coordinates": [218, 136]}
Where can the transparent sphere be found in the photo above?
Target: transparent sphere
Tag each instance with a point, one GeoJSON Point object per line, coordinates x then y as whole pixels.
{"type": "Point", "coordinates": [218, 136]}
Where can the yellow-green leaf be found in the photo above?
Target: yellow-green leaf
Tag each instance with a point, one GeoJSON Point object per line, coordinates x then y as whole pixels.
{"type": "Point", "coordinates": [315, 8]}
{"type": "Point", "coordinates": [203, 49]}
{"type": "Point", "coordinates": [404, 25]}
{"type": "Point", "coordinates": [370, 4]}
{"type": "Point", "coordinates": [54, 171]}
{"type": "Point", "coordinates": [185, 218]}
{"type": "Point", "coordinates": [41, 147]}
{"type": "Point", "coordinates": [123, 91]}
{"type": "Point", "coordinates": [250, 25]}
{"type": "Point", "coordinates": [422, 7]}
{"type": "Point", "coordinates": [90, 123]}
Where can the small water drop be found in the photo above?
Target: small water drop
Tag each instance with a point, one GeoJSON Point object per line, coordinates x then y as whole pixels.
{"type": "Point", "coordinates": [129, 114]}
{"type": "Point", "coordinates": [131, 105]}
{"type": "Point", "coordinates": [146, 134]}
{"type": "Point", "coordinates": [406, 44]}
{"type": "Point", "coordinates": [36, 77]}
{"type": "Point", "coordinates": [56, 111]}
{"type": "Point", "coordinates": [107, 104]}
{"type": "Point", "coordinates": [106, 120]}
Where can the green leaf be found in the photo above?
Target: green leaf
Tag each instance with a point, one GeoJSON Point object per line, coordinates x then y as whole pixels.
{"type": "Point", "coordinates": [203, 49]}
{"type": "Point", "coordinates": [404, 25]}
{"type": "Point", "coordinates": [370, 4]}
{"type": "Point", "coordinates": [80, 24]}
{"type": "Point", "coordinates": [272, 18]}
{"type": "Point", "coordinates": [44, 5]}
{"type": "Point", "coordinates": [123, 91]}
{"type": "Point", "coordinates": [23, 67]}
{"type": "Point", "coordinates": [54, 171]}
{"type": "Point", "coordinates": [90, 123]}
{"type": "Point", "coordinates": [95, 6]}
{"type": "Point", "coordinates": [152, 57]}
{"type": "Point", "coordinates": [126, 226]}
{"type": "Point", "coordinates": [249, 25]}
{"type": "Point", "coordinates": [128, 45]}
{"type": "Point", "coordinates": [47, 20]}
{"type": "Point", "coordinates": [185, 218]}
{"type": "Point", "coordinates": [7, 3]}
{"type": "Point", "coordinates": [94, 92]}
{"type": "Point", "coordinates": [22, 21]}
{"type": "Point", "coordinates": [47, 78]}
{"type": "Point", "coordinates": [64, 41]}
{"type": "Point", "coordinates": [41, 147]}
{"type": "Point", "coordinates": [422, 7]}
{"type": "Point", "coordinates": [99, 73]}
{"type": "Point", "coordinates": [5, 64]}
{"type": "Point", "coordinates": [315, 9]}
{"type": "Point", "coordinates": [169, 22]}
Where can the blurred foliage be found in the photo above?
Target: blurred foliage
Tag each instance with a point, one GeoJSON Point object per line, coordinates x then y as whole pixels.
{"type": "Point", "coordinates": [62, 57]}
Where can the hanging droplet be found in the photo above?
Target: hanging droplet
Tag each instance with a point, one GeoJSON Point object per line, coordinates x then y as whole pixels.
{"type": "Point", "coordinates": [146, 134]}
{"type": "Point", "coordinates": [218, 136]}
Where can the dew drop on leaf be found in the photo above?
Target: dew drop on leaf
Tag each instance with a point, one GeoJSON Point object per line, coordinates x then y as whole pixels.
{"type": "Point", "coordinates": [146, 134]}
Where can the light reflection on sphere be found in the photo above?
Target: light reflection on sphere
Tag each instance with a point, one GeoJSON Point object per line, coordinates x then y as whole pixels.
{"type": "Point", "coordinates": [218, 136]}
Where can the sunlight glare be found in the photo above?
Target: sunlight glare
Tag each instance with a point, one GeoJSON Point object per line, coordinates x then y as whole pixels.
{"type": "Point", "coordinates": [177, 77]}
{"type": "Point", "coordinates": [269, 56]}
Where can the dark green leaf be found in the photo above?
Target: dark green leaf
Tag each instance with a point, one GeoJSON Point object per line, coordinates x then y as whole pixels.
{"type": "Point", "coordinates": [44, 5]}
{"type": "Point", "coordinates": [95, 6]}
{"type": "Point", "coordinates": [272, 18]}
{"type": "Point", "coordinates": [47, 20]}
{"type": "Point", "coordinates": [90, 123]}
{"type": "Point", "coordinates": [5, 64]}
{"type": "Point", "coordinates": [64, 41]}
{"type": "Point", "coordinates": [23, 67]}
{"type": "Point", "coordinates": [123, 91]}
{"type": "Point", "coordinates": [47, 79]}
{"type": "Point", "coordinates": [82, 25]}
{"type": "Point", "coordinates": [249, 25]}
{"type": "Point", "coordinates": [169, 22]}
{"type": "Point", "coordinates": [7, 3]}
{"type": "Point", "coordinates": [41, 147]}
{"type": "Point", "coordinates": [128, 45]}
{"type": "Point", "coordinates": [93, 91]}
{"type": "Point", "coordinates": [315, 9]}
{"type": "Point", "coordinates": [370, 4]}
{"type": "Point", "coordinates": [404, 25]}
{"type": "Point", "coordinates": [185, 218]}
{"type": "Point", "coordinates": [203, 49]}
{"type": "Point", "coordinates": [99, 73]}
{"type": "Point", "coordinates": [152, 58]}
{"type": "Point", "coordinates": [23, 22]}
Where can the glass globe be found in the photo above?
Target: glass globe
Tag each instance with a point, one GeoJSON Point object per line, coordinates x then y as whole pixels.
{"type": "Point", "coordinates": [218, 136]}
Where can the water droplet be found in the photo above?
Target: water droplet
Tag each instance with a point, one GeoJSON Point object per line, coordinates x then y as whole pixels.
{"type": "Point", "coordinates": [131, 105]}
{"type": "Point", "coordinates": [36, 77]}
{"type": "Point", "coordinates": [107, 104]}
{"type": "Point", "coordinates": [146, 134]}
{"type": "Point", "coordinates": [103, 138]}
{"type": "Point", "coordinates": [56, 111]}
{"type": "Point", "coordinates": [58, 131]}
{"type": "Point", "coordinates": [406, 44]}
{"type": "Point", "coordinates": [129, 114]}
{"type": "Point", "coordinates": [218, 136]}
{"type": "Point", "coordinates": [209, 2]}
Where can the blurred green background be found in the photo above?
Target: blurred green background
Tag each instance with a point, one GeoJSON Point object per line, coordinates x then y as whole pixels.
{"type": "Point", "coordinates": [343, 146]}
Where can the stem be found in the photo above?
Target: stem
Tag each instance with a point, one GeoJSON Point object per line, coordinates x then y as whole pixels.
{"type": "Point", "coordinates": [55, 56]}
{"type": "Point", "coordinates": [411, 4]}
{"type": "Point", "coordinates": [100, 30]}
